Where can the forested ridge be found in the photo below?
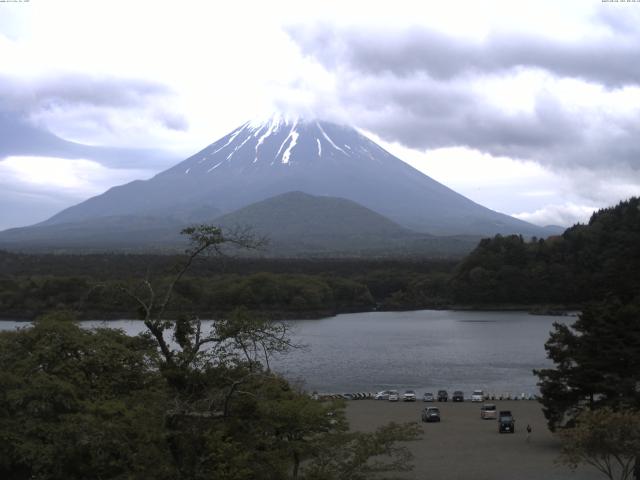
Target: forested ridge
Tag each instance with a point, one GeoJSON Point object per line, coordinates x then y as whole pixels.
{"type": "Point", "coordinates": [586, 263]}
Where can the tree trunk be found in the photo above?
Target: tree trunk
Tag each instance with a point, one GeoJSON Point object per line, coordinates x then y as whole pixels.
{"type": "Point", "coordinates": [296, 465]}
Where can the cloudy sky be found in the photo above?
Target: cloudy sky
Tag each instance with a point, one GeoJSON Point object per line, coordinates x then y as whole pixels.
{"type": "Point", "coordinates": [529, 108]}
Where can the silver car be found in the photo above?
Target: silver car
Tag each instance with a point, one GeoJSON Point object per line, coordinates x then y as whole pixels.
{"type": "Point", "coordinates": [383, 395]}
{"type": "Point", "coordinates": [477, 396]}
{"type": "Point", "coordinates": [409, 396]}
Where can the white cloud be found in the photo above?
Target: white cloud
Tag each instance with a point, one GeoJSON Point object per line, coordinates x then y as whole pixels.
{"type": "Point", "coordinates": [76, 178]}
{"type": "Point", "coordinates": [34, 188]}
{"type": "Point", "coordinates": [500, 183]}
{"type": "Point", "coordinates": [564, 214]}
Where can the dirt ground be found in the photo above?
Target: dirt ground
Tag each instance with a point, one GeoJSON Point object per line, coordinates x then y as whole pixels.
{"type": "Point", "coordinates": [463, 446]}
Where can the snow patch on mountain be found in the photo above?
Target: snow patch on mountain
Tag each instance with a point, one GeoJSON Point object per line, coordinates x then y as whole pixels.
{"type": "Point", "coordinates": [231, 139]}
{"type": "Point", "coordinates": [294, 138]}
{"type": "Point", "coordinates": [291, 140]}
{"type": "Point", "coordinates": [238, 147]}
{"type": "Point", "coordinates": [271, 127]}
{"type": "Point", "coordinates": [324, 134]}
{"type": "Point", "coordinates": [214, 167]}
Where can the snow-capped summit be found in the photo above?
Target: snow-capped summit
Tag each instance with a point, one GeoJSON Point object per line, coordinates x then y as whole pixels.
{"type": "Point", "coordinates": [259, 160]}
{"type": "Point", "coordinates": [272, 143]}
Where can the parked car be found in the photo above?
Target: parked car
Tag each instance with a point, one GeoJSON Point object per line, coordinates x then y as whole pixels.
{"type": "Point", "coordinates": [458, 396]}
{"type": "Point", "coordinates": [431, 414]}
{"type": "Point", "coordinates": [506, 422]}
{"type": "Point", "coordinates": [409, 396]}
{"type": "Point", "coordinates": [477, 396]}
{"type": "Point", "coordinates": [383, 395]}
{"type": "Point", "coordinates": [443, 396]}
{"type": "Point", "coordinates": [488, 411]}
{"type": "Point", "coordinates": [394, 396]}
{"type": "Point", "coordinates": [428, 397]}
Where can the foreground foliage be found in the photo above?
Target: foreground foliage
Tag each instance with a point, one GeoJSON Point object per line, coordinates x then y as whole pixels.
{"type": "Point", "coordinates": [180, 401]}
{"type": "Point", "coordinates": [79, 404]}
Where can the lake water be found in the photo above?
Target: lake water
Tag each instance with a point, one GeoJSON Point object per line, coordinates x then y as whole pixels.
{"type": "Point", "coordinates": [423, 350]}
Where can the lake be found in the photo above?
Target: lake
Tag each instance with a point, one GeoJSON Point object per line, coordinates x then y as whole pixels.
{"type": "Point", "coordinates": [423, 350]}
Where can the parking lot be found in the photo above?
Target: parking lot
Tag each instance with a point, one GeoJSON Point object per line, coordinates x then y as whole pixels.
{"type": "Point", "coordinates": [463, 446]}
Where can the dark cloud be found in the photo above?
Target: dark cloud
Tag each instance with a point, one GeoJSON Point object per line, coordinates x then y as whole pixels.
{"type": "Point", "coordinates": [36, 113]}
{"type": "Point", "coordinates": [86, 106]}
{"type": "Point", "coordinates": [415, 87]}
{"type": "Point", "coordinates": [77, 90]}
{"type": "Point", "coordinates": [19, 138]}
{"type": "Point", "coordinates": [612, 61]}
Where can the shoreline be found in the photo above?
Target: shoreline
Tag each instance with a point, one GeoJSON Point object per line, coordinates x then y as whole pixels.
{"type": "Point", "coordinates": [281, 315]}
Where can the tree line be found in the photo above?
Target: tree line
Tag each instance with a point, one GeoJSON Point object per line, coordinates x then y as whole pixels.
{"type": "Point", "coordinates": [304, 290]}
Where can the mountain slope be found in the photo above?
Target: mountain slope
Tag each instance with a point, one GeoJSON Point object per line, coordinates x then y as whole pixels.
{"type": "Point", "coordinates": [259, 161]}
{"type": "Point", "coordinates": [295, 223]}
{"type": "Point", "coordinates": [126, 232]}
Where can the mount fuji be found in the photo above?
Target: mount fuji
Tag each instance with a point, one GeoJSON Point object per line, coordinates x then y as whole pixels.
{"type": "Point", "coordinates": [261, 160]}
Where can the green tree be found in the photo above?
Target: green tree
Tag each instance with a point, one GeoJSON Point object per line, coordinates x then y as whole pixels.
{"type": "Point", "coordinates": [79, 404]}
{"type": "Point", "coordinates": [607, 440]}
{"type": "Point", "coordinates": [597, 363]}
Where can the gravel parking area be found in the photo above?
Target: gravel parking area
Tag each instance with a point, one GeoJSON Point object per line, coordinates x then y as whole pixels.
{"type": "Point", "coordinates": [463, 446]}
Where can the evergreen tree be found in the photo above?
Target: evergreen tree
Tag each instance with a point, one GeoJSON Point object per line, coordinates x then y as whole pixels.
{"type": "Point", "coordinates": [597, 363]}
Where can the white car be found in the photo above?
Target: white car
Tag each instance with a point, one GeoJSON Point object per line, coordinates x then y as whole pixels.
{"type": "Point", "coordinates": [477, 396]}
{"type": "Point", "coordinates": [409, 396]}
{"type": "Point", "coordinates": [394, 396]}
{"type": "Point", "coordinates": [383, 395]}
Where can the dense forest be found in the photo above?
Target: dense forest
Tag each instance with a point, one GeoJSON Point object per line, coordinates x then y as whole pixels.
{"type": "Point", "coordinates": [588, 262]}
{"type": "Point", "coordinates": [89, 284]}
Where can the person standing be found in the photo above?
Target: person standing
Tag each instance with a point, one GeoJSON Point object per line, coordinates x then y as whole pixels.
{"type": "Point", "coordinates": [529, 429]}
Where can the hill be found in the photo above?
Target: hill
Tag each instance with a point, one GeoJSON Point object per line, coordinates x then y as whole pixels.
{"type": "Point", "coordinates": [587, 262]}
